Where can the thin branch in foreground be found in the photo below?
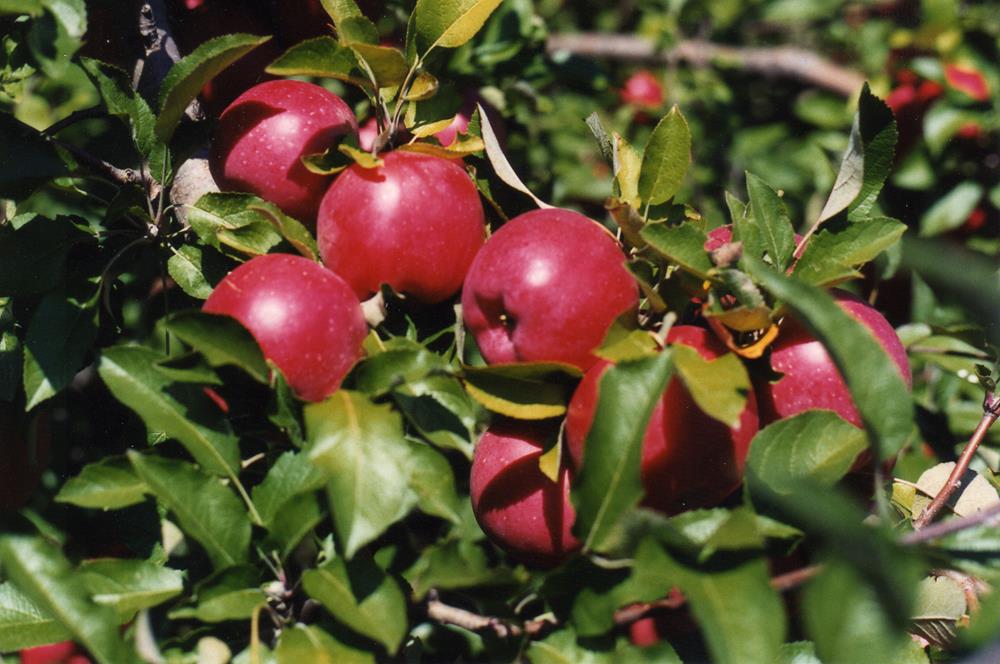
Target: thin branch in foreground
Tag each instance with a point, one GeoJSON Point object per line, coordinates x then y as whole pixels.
{"type": "Point", "coordinates": [122, 176]}
{"type": "Point", "coordinates": [91, 113]}
{"type": "Point", "coordinates": [991, 411]}
{"type": "Point", "coordinates": [779, 61]}
{"type": "Point", "coordinates": [988, 516]}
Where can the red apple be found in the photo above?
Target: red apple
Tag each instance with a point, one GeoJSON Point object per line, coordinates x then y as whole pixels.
{"type": "Point", "coordinates": [642, 90]}
{"type": "Point", "coordinates": [811, 379]}
{"type": "Point", "coordinates": [689, 459]}
{"type": "Point", "coordinates": [546, 287]}
{"type": "Point", "coordinates": [414, 223]}
{"type": "Point", "coordinates": [25, 443]}
{"type": "Point", "coordinates": [304, 317]}
{"type": "Point", "coordinates": [520, 508]}
{"type": "Point", "coordinates": [262, 136]}
{"type": "Point", "coordinates": [967, 80]}
{"type": "Point", "coordinates": [53, 653]}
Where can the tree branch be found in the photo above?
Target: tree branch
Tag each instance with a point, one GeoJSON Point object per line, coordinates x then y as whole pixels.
{"type": "Point", "coordinates": [780, 61]}
{"type": "Point", "coordinates": [984, 517]}
{"type": "Point", "coordinates": [991, 411]}
{"type": "Point", "coordinates": [122, 176]}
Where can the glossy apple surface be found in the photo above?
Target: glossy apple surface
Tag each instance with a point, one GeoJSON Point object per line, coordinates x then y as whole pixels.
{"type": "Point", "coordinates": [25, 445]}
{"type": "Point", "coordinates": [546, 287]}
{"type": "Point", "coordinates": [811, 379]}
{"type": "Point", "coordinates": [262, 136]}
{"type": "Point", "coordinates": [689, 460]}
{"type": "Point", "coordinates": [521, 509]}
{"type": "Point", "coordinates": [642, 90]}
{"type": "Point", "coordinates": [304, 317]}
{"type": "Point", "coordinates": [414, 223]}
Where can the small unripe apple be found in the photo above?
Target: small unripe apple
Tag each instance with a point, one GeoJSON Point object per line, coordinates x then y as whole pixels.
{"type": "Point", "coordinates": [810, 377]}
{"type": "Point", "coordinates": [689, 459]}
{"type": "Point", "coordinates": [414, 223]}
{"type": "Point", "coordinates": [546, 287]}
{"type": "Point", "coordinates": [304, 317]}
{"type": "Point", "coordinates": [520, 508]}
{"type": "Point", "coordinates": [642, 90]}
{"type": "Point", "coordinates": [263, 135]}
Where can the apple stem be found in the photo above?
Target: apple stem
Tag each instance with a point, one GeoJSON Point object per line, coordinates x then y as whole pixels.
{"type": "Point", "coordinates": [991, 411]}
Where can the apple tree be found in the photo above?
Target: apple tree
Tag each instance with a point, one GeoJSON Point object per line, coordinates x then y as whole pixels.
{"type": "Point", "coordinates": [491, 330]}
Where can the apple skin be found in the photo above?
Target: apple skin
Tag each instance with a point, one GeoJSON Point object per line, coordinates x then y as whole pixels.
{"type": "Point", "coordinates": [518, 507]}
{"type": "Point", "coordinates": [25, 447]}
{"type": "Point", "coordinates": [642, 90]}
{"type": "Point", "coordinates": [967, 80]}
{"type": "Point", "coordinates": [262, 136]}
{"type": "Point", "coordinates": [304, 317]}
{"type": "Point", "coordinates": [811, 379]}
{"type": "Point", "coordinates": [689, 460]}
{"type": "Point", "coordinates": [546, 287]}
{"type": "Point", "coordinates": [414, 223]}
{"type": "Point", "coordinates": [63, 652]}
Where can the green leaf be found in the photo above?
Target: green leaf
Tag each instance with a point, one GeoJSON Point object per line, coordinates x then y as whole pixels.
{"type": "Point", "coordinates": [665, 160]}
{"type": "Point", "coordinates": [308, 643]}
{"type": "Point", "coordinates": [362, 596]}
{"type": "Point", "coordinates": [292, 474]}
{"type": "Point", "coordinates": [294, 521]}
{"type": "Point", "coordinates": [361, 448]}
{"type": "Point", "coordinates": [939, 609]}
{"type": "Point", "coordinates": [187, 77]}
{"type": "Point", "coordinates": [322, 57]}
{"type": "Point", "coordinates": [122, 100]}
{"type": "Point", "coordinates": [197, 269]}
{"type": "Point", "coordinates": [846, 621]}
{"type": "Point", "coordinates": [387, 64]}
{"type": "Point", "coordinates": [401, 363]}
{"type": "Point", "coordinates": [222, 606]}
{"type": "Point", "coordinates": [563, 647]}
{"type": "Point", "coordinates": [879, 391]}
{"type": "Point", "coordinates": [216, 519]}
{"type": "Point", "coordinates": [608, 485]}
{"type": "Point", "coordinates": [441, 410]}
{"type": "Point", "coordinates": [128, 586]}
{"type": "Point", "coordinates": [180, 411]}
{"type": "Point", "coordinates": [34, 254]}
{"type": "Point", "coordinates": [425, 85]}
{"type": "Point", "coordinates": [866, 162]}
{"type": "Point", "coordinates": [108, 484]}
{"type": "Point", "coordinates": [741, 616]}
{"type": "Point", "coordinates": [449, 23]}
{"type": "Point", "coordinates": [41, 572]}
{"type": "Point", "coordinates": [683, 244]}
{"type": "Point", "coordinates": [798, 652]}
{"type": "Point", "coordinates": [771, 218]}
{"type": "Point", "coordinates": [525, 390]}
{"type": "Point", "coordinates": [57, 344]}
{"type": "Point", "coordinates": [222, 340]}
{"type": "Point", "coordinates": [878, 134]}
{"type": "Point", "coordinates": [701, 534]}
{"type": "Point", "coordinates": [951, 210]}
{"type": "Point", "coordinates": [27, 160]}
{"type": "Point", "coordinates": [350, 23]}
{"type": "Point", "coordinates": [247, 224]}
{"type": "Point", "coordinates": [719, 387]}
{"type": "Point", "coordinates": [432, 480]}
{"type": "Point", "coordinates": [24, 624]}
{"type": "Point", "coordinates": [832, 256]}
{"type": "Point", "coordinates": [816, 446]}
{"type": "Point", "coordinates": [454, 564]}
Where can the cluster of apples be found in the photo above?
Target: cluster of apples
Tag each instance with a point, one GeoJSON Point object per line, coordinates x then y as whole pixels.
{"type": "Point", "coordinates": [546, 287]}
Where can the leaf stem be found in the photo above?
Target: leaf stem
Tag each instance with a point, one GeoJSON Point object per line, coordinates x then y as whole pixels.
{"type": "Point", "coordinates": [991, 411]}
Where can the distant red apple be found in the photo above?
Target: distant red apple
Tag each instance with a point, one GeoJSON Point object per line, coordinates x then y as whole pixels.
{"type": "Point", "coordinates": [810, 377]}
{"type": "Point", "coordinates": [689, 459]}
{"type": "Point", "coordinates": [642, 90]}
{"type": "Point", "coordinates": [25, 445]}
{"type": "Point", "coordinates": [520, 508]}
{"type": "Point", "coordinates": [909, 103]}
{"type": "Point", "coordinates": [967, 80]}
{"type": "Point", "coordinates": [305, 318]}
{"type": "Point", "coordinates": [414, 223]}
{"type": "Point", "coordinates": [262, 136]}
{"type": "Point", "coordinates": [970, 130]}
{"type": "Point", "coordinates": [460, 123]}
{"type": "Point", "coordinates": [546, 287]}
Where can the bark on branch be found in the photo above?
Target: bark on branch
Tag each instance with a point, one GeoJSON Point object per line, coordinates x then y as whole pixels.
{"type": "Point", "coordinates": [779, 61]}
